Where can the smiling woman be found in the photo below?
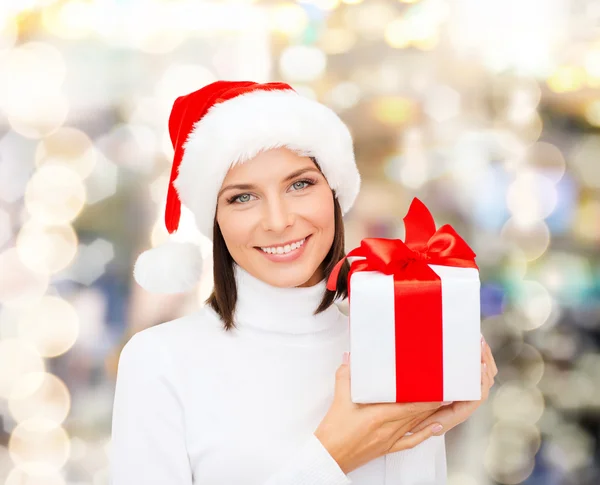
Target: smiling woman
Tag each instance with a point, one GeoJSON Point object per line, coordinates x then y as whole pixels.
{"type": "Point", "coordinates": [250, 388]}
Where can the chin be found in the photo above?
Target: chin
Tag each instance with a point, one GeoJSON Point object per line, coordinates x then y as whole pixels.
{"type": "Point", "coordinates": [293, 275]}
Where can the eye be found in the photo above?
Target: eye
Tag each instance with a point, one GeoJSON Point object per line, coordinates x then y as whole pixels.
{"type": "Point", "coordinates": [239, 199]}
{"type": "Point", "coordinates": [301, 184]}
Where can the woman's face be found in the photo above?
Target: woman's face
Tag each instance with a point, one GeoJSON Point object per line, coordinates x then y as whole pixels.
{"type": "Point", "coordinates": [269, 205]}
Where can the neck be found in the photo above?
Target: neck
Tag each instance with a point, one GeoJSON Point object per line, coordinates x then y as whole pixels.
{"type": "Point", "coordinates": [280, 311]}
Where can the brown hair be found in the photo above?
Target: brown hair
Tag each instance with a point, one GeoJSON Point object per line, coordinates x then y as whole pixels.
{"type": "Point", "coordinates": [224, 295]}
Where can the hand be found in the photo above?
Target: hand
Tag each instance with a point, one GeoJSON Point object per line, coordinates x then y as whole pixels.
{"type": "Point", "coordinates": [355, 433]}
{"type": "Point", "coordinates": [453, 414]}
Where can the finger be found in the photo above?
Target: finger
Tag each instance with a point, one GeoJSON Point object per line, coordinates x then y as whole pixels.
{"type": "Point", "coordinates": [485, 384]}
{"type": "Point", "coordinates": [445, 416]}
{"type": "Point", "coordinates": [342, 381]}
{"type": "Point", "coordinates": [491, 361]}
{"type": "Point", "coordinates": [412, 440]}
{"type": "Point", "coordinates": [395, 411]}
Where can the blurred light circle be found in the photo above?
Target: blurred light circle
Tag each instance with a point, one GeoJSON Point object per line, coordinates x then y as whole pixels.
{"type": "Point", "coordinates": [40, 395]}
{"type": "Point", "coordinates": [368, 18]}
{"type": "Point", "coordinates": [37, 70]}
{"type": "Point", "coordinates": [70, 20]}
{"type": "Point", "coordinates": [337, 41]}
{"type": "Point", "coordinates": [461, 478]}
{"type": "Point", "coordinates": [9, 31]}
{"type": "Point", "coordinates": [547, 159]}
{"type": "Point", "coordinates": [393, 110]}
{"type": "Point", "coordinates": [20, 477]}
{"type": "Point", "coordinates": [566, 79]}
{"type": "Point", "coordinates": [514, 265]}
{"type": "Point", "coordinates": [535, 303]}
{"type": "Point", "coordinates": [306, 91]}
{"type": "Point", "coordinates": [344, 95]}
{"type": "Point", "coordinates": [584, 160]}
{"type": "Point", "coordinates": [38, 117]}
{"type": "Point", "coordinates": [517, 403]}
{"type": "Point", "coordinates": [288, 18]}
{"type": "Point", "coordinates": [397, 33]}
{"type": "Point", "coordinates": [324, 4]}
{"type": "Point", "coordinates": [55, 194]}
{"type": "Point", "coordinates": [531, 197]}
{"type": "Point", "coordinates": [52, 326]}
{"type": "Point", "coordinates": [130, 145]}
{"type": "Point", "coordinates": [587, 220]}
{"type": "Point", "coordinates": [532, 238]}
{"type": "Point", "coordinates": [442, 103]}
{"type": "Point", "coordinates": [46, 249]}
{"type": "Point", "coordinates": [302, 63]}
{"type": "Point", "coordinates": [592, 113]}
{"type": "Point", "coordinates": [528, 132]}
{"type": "Point", "coordinates": [179, 79]}
{"type": "Point", "coordinates": [530, 364]}
{"type": "Point", "coordinates": [68, 146]}
{"type": "Point", "coordinates": [19, 285]}
{"type": "Point", "coordinates": [39, 446]}
{"type": "Point", "coordinates": [569, 447]}
{"type": "Point", "coordinates": [509, 456]}
{"type": "Point", "coordinates": [17, 358]}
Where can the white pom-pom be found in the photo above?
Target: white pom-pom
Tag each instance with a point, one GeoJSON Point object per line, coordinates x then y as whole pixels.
{"type": "Point", "coordinates": [173, 267]}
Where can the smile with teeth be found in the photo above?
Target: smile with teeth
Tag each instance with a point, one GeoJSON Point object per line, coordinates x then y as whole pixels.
{"type": "Point", "coordinates": [284, 249]}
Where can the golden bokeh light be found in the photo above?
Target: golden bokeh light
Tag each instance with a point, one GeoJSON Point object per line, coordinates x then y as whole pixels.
{"type": "Point", "coordinates": [17, 359]}
{"type": "Point", "coordinates": [531, 197]}
{"type": "Point", "coordinates": [533, 238]}
{"type": "Point", "coordinates": [509, 456]}
{"type": "Point", "coordinates": [70, 147]}
{"type": "Point", "coordinates": [19, 285]}
{"type": "Point", "coordinates": [288, 19]}
{"type": "Point", "coordinates": [514, 402]}
{"type": "Point", "coordinates": [393, 110]}
{"type": "Point", "coordinates": [566, 79]}
{"type": "Point", "coordinates": [19, 477]}
{"type": "Point", "coordinates": [52, 326]}
{"type": "Point", "coordinates": [302, 63]}
{"type": "Point", "coordinates": [46, 249]}
{"type": "Point", "coordinates": [40, 395]}
{"type": "Point", "coordinates": [55, 194]}
{"type": "Point", "coordinates": [39, 446]}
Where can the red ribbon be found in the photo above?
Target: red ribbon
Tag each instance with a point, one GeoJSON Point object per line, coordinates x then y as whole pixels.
{"type": "Point", "coordinates": [417, 296]}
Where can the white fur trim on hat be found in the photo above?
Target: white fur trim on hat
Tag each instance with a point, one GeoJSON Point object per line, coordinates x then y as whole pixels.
{"type": "Point", "coordinates": [172, 267]}
{"type": "Point", "coordinates": [236, 130]}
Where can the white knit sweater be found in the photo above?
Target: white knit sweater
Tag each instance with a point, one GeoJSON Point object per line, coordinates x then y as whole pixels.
{"type": "Point", "coordinates": [197, 405]}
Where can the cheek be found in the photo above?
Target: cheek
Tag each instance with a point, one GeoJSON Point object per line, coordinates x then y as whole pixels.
{"type": "Point", "coordinates": [234, 228]}
{"type": "Point", "coordinates": [320, 212]}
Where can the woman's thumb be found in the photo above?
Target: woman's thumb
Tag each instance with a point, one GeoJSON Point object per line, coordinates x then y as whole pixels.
{"type": "Point", "coordinates": [342, 375]}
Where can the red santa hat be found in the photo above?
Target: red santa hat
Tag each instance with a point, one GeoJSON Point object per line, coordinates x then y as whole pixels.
{"type": "Point", "coordinates": [230, 122]}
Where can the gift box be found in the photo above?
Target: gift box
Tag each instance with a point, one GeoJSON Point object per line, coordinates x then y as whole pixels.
{"type": "Point", "coordinates": [414, 315]}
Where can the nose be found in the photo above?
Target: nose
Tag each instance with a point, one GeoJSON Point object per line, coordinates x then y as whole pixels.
{"type": "Point", "coordinates": [277, 215]}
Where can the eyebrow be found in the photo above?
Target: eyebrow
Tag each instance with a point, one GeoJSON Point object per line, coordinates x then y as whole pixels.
{"type": "Point", "coordinates": [251, 186]}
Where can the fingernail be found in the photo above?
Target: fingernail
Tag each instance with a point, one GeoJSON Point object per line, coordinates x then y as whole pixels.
{"type": "Point", "coordinates": [345, 357]}
{"type": "Point", "coordinates": [445, 403]}
{"type": "Point", "coordinates": [482, 342]}
{"type": "Point", "coordinates": [484, 366]}
{"type": "Point", "coordinates": [437, 428]}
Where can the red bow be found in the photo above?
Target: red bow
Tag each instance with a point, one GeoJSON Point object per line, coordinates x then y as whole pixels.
{"type": "Point", "coordinates": [424, 245]}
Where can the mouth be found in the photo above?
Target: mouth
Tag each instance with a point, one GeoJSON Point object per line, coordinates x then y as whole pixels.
{"type": "Point", "coordinates": [285, 253]}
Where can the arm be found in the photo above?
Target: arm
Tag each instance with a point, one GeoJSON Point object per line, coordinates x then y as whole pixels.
{"type": "Point", "coordinates": [148, 439]}
{"type": "Point", "coordinates": [312, 465]}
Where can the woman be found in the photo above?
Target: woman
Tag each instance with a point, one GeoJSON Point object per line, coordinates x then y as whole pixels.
{"type": "Point", "coordinates": [250, 388]}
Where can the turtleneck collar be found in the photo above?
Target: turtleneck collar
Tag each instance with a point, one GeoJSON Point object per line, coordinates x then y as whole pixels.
{"type": "Point", "coordinates": [283, 311]}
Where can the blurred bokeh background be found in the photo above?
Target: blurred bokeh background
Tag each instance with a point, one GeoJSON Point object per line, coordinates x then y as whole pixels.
{"type": "Point", "coordinates": [489, 111]}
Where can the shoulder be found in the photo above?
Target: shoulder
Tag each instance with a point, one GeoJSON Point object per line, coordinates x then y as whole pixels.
{"type": "Point", "coordinates": [173, 337]}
